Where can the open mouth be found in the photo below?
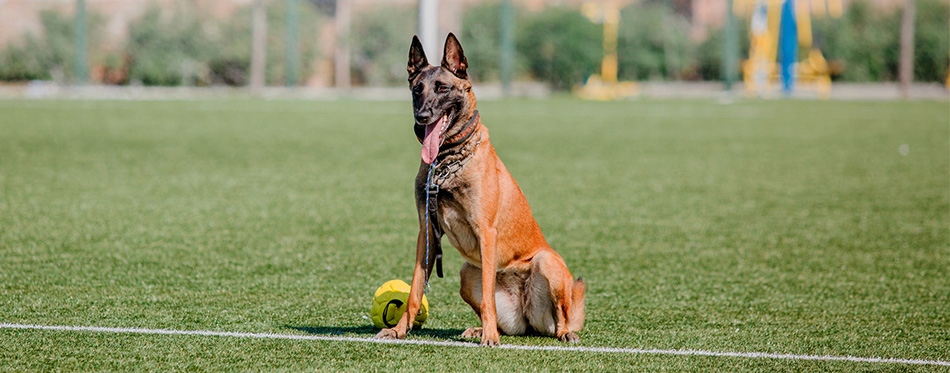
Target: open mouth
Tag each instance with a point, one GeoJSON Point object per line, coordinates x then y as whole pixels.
{"type": "Point", "coordinates": [434, 136]}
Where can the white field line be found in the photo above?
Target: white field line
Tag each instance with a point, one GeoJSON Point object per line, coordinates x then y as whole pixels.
{"type": "Point", "coordinates": [751, 355]}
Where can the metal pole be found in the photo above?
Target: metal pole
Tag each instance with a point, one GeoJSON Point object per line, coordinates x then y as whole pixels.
{"type": "Point", "coordinates": [258, 46]}
{"type": "Point", "coordinates": [905, 72]}
{"type": "Point", "coordinates": [290, 74]}
{"type": "Point", "coordinates": [731, 50]}
{"type": "Point", "coordinates": [609, 65]}
{"type": "Point", "coordinates": [429, 30]}
{"type": "Point", "coordinates": [341, 54]}
{"type": "Point", "coordinates": [507, 46]}
{"type": "Point", "coordinates": [81, 65]}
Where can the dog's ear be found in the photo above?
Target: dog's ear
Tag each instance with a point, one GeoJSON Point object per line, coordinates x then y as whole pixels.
{"type": "Point", "coordinates": [453, 58]}
{"type": "Point", "coordinates": [417, 58]}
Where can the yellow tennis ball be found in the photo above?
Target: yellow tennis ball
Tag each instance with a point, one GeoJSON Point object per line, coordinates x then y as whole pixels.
{"type": "Point", "coordinates": [390, 303]}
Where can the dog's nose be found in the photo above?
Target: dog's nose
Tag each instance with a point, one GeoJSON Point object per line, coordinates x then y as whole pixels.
{"type": "Point", "coordinates": [423, 116]}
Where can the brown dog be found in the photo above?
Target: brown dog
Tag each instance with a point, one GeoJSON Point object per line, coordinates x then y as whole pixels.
{"type": "Point", "coordinates": [512, 279]}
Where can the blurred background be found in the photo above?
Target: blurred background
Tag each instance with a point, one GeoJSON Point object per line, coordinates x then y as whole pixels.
{"type": "Point", "coordinates": [596, 49]}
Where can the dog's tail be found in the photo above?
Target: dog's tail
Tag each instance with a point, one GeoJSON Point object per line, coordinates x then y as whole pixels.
{"type": "Point", "coordinates": [576, 321]}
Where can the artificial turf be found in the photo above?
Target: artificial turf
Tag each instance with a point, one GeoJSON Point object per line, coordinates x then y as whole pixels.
{"type": "Point", "coordinates": [801, 227]}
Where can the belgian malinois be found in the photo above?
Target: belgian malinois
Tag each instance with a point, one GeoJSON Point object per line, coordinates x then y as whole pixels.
{"type": "Point", "coordinates": [512, 278]}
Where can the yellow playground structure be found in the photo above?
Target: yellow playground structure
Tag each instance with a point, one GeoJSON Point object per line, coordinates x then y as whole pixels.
{"type": "Point", "coordinates": [761, 70]}
{"type": "Point", "coordinates": [605, 86]}
{"type": "Point", "coordinates": [777, 29]}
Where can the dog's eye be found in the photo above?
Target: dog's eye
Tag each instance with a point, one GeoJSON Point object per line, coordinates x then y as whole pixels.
{"type": "Point", "coordinates": [442, 89]}
{"type": "Point", "coordinates": [417, 89]}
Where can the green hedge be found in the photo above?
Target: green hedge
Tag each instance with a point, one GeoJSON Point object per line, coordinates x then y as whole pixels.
{"type": "Point", "coordinates": [380, 44]}
{"type": "Point", "coordinates": [166, 50]}
{"type": "Point", "coordinates": [867, 42]}
{"type": "Point", "coordinates": [480, 36]}
{"type": "Point", "coordinates": [560, 46]}
{"type": "Point", "coordinates": [709, 54]}
{"type": "Point", "coordinates": [50, 56]}
{"type": "Point", "coordinates": [653, 43]}
{"type": "Point", "coordinates": [932, 40]}
{"type": "Point", "coordinates": [169, 46]}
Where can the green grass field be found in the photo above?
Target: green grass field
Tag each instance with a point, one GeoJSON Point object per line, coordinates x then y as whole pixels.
{"type": "Point", "coordinates": [819, 228]}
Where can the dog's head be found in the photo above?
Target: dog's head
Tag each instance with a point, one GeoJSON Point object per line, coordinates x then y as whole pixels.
{"type": "Point", "coordinates": [442, 98]}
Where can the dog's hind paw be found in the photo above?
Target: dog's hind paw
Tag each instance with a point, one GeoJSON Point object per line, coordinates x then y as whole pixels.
{"type": "Point", "coordinates": [387, 334]}
{"type": "Point", "coordinates": [569, 337]}
{"type": "Point", "coordinates": [472, 333]}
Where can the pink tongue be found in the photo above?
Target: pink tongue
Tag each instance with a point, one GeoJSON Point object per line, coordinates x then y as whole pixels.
{"type": "Point", "coordinates": [430, 145]}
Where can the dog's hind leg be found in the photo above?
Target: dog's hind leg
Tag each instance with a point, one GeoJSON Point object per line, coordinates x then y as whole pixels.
{"type": "Point", "coordinates": [471, 289]}
{"type": "Point", "coordinates": [549, 304]}
{"type": "Point", "coordinates": [509, 302]}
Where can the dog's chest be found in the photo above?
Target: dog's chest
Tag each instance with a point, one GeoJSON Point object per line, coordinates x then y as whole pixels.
{"type": "Point", "coordinates": [456, 224]}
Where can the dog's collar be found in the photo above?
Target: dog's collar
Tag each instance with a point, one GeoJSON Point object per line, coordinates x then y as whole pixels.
{"type": "Point", "coordinates": [444, 171]}
{"type": "Point", "coordinates": [458, 138]}
{"type": "Point", "coordinates": [465, 134]}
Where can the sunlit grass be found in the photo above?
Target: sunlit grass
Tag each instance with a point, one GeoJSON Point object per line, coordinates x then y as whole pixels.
{"type": "Point", "coordinates": [786, 226]}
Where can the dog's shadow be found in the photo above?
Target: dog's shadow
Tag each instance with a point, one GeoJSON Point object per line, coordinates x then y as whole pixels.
{"type": "Point", "coordinates": [370, 331]}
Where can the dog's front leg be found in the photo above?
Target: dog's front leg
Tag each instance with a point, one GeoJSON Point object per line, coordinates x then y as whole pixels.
{"type": "Point", "coordinates": [489, 315]}
{"type": "Point", "coordinates": [415, 293]}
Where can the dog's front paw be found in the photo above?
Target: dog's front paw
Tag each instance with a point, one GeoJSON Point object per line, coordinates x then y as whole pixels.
{"type": "Point", "coordinates": [490, 338]}
{"type": "Point", "coordinates": [489, 341]}
{"type": "Point", "coordinates": [387, 334]}
{"type": "Point", "coordinates": [569, 337]}
{"type": "Point", "coordinates": [472, 333]}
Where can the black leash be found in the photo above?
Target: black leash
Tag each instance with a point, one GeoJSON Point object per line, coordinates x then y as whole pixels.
{"type": "Point", "coordinates": [432, 193]}
{"type": "Point", "coordinates": [434, 247]}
